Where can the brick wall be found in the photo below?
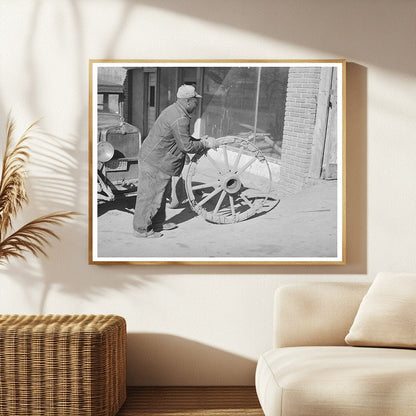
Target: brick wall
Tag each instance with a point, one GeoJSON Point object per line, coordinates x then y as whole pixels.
{"type": "Point", "coordinates": [300, 115]}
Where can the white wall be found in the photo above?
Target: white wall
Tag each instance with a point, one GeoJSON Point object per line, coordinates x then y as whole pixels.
{"type": "Point", "coordinates": [204, 324]}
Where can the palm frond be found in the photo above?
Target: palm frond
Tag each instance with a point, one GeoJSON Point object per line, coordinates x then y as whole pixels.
{"type": "Point", "coordinates": [33, 237]}
{"type": "Point", "coordinates": [12, 183]}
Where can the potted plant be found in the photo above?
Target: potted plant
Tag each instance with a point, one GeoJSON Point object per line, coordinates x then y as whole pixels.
{"type": "Point", "coordinates": [34, 236]}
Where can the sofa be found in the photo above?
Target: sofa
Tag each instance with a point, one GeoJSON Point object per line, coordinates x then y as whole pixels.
{"type": "Point", "coordinates": [342, 349]}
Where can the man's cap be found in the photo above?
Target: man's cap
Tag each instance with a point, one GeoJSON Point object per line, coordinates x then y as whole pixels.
{"type": "Point", "coordinates": [187, 91]}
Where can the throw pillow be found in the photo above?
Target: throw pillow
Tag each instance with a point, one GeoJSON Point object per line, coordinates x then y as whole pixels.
{"type": "Point", "coordinates": [386, 316]}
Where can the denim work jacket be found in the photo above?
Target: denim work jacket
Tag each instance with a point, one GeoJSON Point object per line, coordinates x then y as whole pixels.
{"type": "Point", "coordinates": [169, 140]}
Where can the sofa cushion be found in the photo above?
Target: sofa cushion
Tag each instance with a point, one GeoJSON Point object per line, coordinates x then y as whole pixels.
{"type": "Point", "coordinates": [315, 313]}
{"type": "Point", "coordinates": [304, 381]}
{"type": "Point", "coordinates": [387, 314]}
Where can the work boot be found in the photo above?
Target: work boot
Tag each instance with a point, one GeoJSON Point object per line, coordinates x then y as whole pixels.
{"type": "Point", "coordinates": [147, 234]}
{"type": "Point", "coordinates": [165, 226]}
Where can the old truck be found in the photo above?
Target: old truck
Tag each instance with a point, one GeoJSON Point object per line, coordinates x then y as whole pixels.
{"type": "Point", "coordinates": [118, 145]}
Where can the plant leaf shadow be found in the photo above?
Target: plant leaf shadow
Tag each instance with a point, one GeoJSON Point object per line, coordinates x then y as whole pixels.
{"type": "Point", "coordinates": [67, 191]}
{"type": "Point", "coordinates": [357, 30]}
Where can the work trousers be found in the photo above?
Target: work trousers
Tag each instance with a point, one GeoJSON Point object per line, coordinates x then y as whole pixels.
{"type": "Point", "coordinates": [152, 190]}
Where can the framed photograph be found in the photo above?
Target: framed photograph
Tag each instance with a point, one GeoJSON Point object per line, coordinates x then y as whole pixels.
{"type": "Point", "coordinates": [217, 162]}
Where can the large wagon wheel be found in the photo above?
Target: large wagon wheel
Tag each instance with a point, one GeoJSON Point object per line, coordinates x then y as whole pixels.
{"type": "Point", "coordinates": [230, 184]}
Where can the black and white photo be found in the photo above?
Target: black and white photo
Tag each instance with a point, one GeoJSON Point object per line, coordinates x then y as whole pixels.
{"type": "Point", "coordinates": [231, 162]}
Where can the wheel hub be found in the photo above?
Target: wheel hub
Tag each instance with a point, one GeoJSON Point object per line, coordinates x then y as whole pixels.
{"type": "Point", "coordinates": [231, 184]}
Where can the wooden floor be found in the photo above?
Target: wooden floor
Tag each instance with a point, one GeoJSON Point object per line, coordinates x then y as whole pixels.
{"type": "Point", "coordinates": [187, 401]}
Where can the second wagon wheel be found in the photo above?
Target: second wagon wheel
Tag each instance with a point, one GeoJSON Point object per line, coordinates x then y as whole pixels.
{"type": "Point", "coordinates": [230, 184]}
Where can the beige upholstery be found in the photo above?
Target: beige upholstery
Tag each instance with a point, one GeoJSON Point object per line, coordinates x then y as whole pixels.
{"type": "Point", "coordinates": [387, 314]}
{"type": "Point", "coordinates": [304, 375]}
{"type": "Point", "coordinates": [337, 381]}
{"type": "Point", "coordinates": [315, 314]}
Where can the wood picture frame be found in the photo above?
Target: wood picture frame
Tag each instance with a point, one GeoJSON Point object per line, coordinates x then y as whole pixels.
{"type": "Point", "coordinates": [272, 192]}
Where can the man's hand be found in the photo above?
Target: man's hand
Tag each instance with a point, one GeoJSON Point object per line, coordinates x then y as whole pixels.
{"type": "Point", "coordinates": [210, 143]}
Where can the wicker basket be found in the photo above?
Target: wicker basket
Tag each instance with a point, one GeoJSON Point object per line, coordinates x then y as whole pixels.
{"type": "Point", "coordinates": [72, 365]}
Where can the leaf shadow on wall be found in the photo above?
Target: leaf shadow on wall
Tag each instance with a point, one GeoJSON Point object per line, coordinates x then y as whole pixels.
{"type": "Point", "coordinates": [59, 181]}
{"type": "Point", "coordinates": [163, 359]}
{"type": "Point", "coordinates": [52, 187]}
{"type": "Point", "coordinates": [68, 192]}
{"type": "Point", "coordinates": [334, 27]}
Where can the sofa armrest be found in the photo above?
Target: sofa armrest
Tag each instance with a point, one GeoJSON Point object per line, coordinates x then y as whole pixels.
{"type": "Point", "coordinates": [315, 313]}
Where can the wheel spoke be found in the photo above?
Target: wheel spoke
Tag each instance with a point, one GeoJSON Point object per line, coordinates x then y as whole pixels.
{"type": "Point", "coordinates": [227, 165]}
{"type": "Point", "coordinates": [237, 160]}
{"type": "Point", "coordinates": [246, 200]}
{"type": "Point", "coordinates": [205, 185]}
{"type": "Point", "coordinates": [247, 165]}
{"type": "Point", "coordinates": [221, 198]}
{"type": "Point", "coordinates": [213, 163]}
{"type": "Point", "coordinates": [232, 205]}
{"type": "Point", "coordinates": [208, 197]}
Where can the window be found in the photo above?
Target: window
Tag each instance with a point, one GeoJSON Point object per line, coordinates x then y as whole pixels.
{"type": "Point", "coordinates": [246, 102]}
{"type": "Point", "coordinates": [111, 103]}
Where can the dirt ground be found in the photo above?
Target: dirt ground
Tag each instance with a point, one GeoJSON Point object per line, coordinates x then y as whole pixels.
{"type": "Point", "coordinates": [300, 226]}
